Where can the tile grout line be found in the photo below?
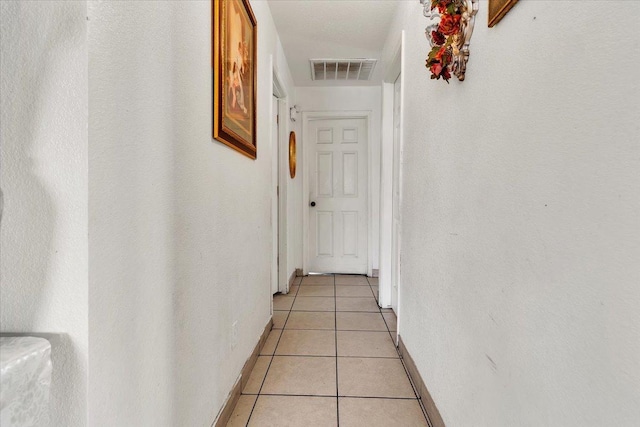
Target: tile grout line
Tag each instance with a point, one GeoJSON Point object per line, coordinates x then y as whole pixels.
{"type": "Point", "coordinates": [326, 356]}
{"type": "Point", "coordinates": [371, 296]}
{"type": "Point", "coordinates": [329, 311]}
{"type": "Point", "coordinates": [415, 391]}
{"type": "Point", "coordinates": [410, 399]}
{"type": "Point", "coordinates": [385, 321]}
{"type": "Point", "coordinates": [311, 285]}
{"type": "Point", "coordinates": [328, 329]}
{"type": "Point", "coordinates": [272, 357]}
{"type": "Point", "coordinates": [289, 312]}
{"type": "Point", "coordinates": [394, 340]}
{"type": "Point", "coordinates": [406, 371]}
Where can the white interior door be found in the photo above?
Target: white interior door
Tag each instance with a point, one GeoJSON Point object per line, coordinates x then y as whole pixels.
{"type": "Point", "coordinates": [338, 187]}
{"type": "Point", "coordinates": [396, 221]}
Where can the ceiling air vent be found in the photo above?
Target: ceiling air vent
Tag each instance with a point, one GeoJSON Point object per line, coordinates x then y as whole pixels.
{"type": "Point", "coordinates": [342, 69]}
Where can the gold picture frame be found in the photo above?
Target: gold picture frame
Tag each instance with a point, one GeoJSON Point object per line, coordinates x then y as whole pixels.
{"type": "Point", "coordinates": [498, 9]}
{"type": "Point", "coordinates": [292, 154]}
{"type": "Point", "coordinates": [234, 44]}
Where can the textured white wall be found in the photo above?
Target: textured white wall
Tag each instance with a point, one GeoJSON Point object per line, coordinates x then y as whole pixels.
{"type": "Point", "coordinates": [347, 99]}
{"type": "Point", "coordinates": [294, 207]}
{"type": "Point", "coordinates": [44, 179]}
{"type": "Point", "coordinates": [180, 229]}
{"type": "Point", "coordinates": [521, 241]}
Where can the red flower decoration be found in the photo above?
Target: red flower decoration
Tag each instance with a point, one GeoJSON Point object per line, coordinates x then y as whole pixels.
{"type": "Point", "coordinates": [446, 75]}
{"type": "Point", "coordinates": [437, 37]}
{"type": "Point", "coordinates": [442, 6]}
{"type": "Point", "coordinates": [436, 68]}
{"type": "Point", "coordinates": [441, 55]}
{"type": "Point", "coordinates": [449, 25]}
{"type": "Point", "coordinates": [438, 62]}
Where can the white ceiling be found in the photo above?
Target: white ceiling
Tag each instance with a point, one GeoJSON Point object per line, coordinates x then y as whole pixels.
{"type": "Point", "coordinates": [336, 29]}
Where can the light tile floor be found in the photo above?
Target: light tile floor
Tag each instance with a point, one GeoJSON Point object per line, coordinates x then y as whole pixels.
{"type": "Point", "coordinates": [330, 360]}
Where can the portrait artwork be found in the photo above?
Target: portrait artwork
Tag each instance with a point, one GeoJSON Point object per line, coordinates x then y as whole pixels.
{"type": "Point", "coordinates": [234, 75]}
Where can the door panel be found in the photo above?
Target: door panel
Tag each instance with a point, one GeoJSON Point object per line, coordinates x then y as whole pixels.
{"type": "Point", "coordinates": [350, 234]}
{"type": "Point", "coordinates": [338, 186]}
{"type": "Point", "coordinates": [324, 136]}
{"type": "Point", "coordinates": [350, 174]}
{"type": "Point", "coordinates": [324, 166]}
{"type": "Point", "coordinates": [324, 231]}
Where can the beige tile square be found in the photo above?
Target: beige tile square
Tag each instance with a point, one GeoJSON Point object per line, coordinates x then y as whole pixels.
{"type": "Point", "coordinates": [271, 342]}
{"type": "Point", "coordinates": [356, 412]}
{"type": "Point", "coordinates": [376, 293]}
{"type": "Point", "coordinates": [297, 280]}
{"type": "Point", "coordinates": [279, 318]}
{"type": "Point", "coordinates": [391, 320]}
{"type": "Point", "coordinates": [314, 304]}
{"type": "Point", "coordinates": [257, 375]}
{"type": "Point", "coordinates": [361, 377]}
{"type": "Point", "coordinates": [353, 291]}
{"type": "Point", "coordinates": [281, 302]}
{"type": "Point", "coordinates": [365, 344]}
{"type": "Point", "coordinates": [293, 290]}
{"type": "Point", "coordinates": [241, 412]}
{"type": "Point", "coordinates": [317, 280]}
{"type": "Point", "coordinates": [316, 291]}
{"type": "Point", "coordinates": [359, 322]}
{"type": "Point", "coordinates": [373, 281]}
{"type": "Point", "coordinates": [295, 411]}
{"type": "Point", "coordinates": [357, 304]}
{"type": "Point", "coordinates": [300, 375]}
{"type": "Point", "coordinates": [351, 280]}
{"type": "Point", "coordinates": [386, 310]}
{"type": "Point", "coordinates": [307, 343]}
{"type": "Point", "coordinates": [311, 320]}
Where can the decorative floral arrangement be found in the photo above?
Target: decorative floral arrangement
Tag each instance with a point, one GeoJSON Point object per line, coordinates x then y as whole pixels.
{"type": "Point", "coordinates": [449, 38]}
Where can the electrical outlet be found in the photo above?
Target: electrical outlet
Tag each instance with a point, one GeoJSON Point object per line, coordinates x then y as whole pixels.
{"type": "Point", "coordinates": [234, 334]}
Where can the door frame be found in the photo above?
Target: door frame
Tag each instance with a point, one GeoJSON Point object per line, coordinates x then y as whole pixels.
{"type": "Point", "coordinates": [396, 67]}
{"type": "Point", "coordinates": [308, 116]}
{"type": "Point", "coordinates": [396, 198]}
{"type": "Point", "coordinates": [279, 171]}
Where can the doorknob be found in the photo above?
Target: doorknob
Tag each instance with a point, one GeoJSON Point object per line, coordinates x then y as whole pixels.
{"type": "Point", "coordinates": [313, 204]}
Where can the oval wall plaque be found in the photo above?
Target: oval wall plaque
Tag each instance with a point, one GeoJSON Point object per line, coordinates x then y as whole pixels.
{"type": "Point", "coordinates": [292, 154]}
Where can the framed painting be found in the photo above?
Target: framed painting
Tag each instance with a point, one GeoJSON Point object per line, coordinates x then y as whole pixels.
{"type": "Point", "coordinates": [497, 10]}
{"type": "Point", "coordinates": [234, 37]}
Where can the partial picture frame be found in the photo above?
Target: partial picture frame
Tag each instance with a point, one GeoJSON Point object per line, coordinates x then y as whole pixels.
{"type": "Point", "coordinates": [498, 9]}
{"type": "Point", "coordinates": [292, 154]}
{"type": "Point", "coordinates": [234, 45]}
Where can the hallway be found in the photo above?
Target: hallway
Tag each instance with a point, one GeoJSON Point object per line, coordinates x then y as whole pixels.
{"type": "Point", "coordinates": [329, 360]}
{"type": "Point", "coordinates": [500, 213]}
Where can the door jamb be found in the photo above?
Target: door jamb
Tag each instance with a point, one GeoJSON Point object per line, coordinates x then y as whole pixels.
{"type": "Point", "coordinates": [307, 116]}
{"type": "Point", "coordinates": [396, 68]}
{"type": "Point", "coordinates": [280, 193]}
